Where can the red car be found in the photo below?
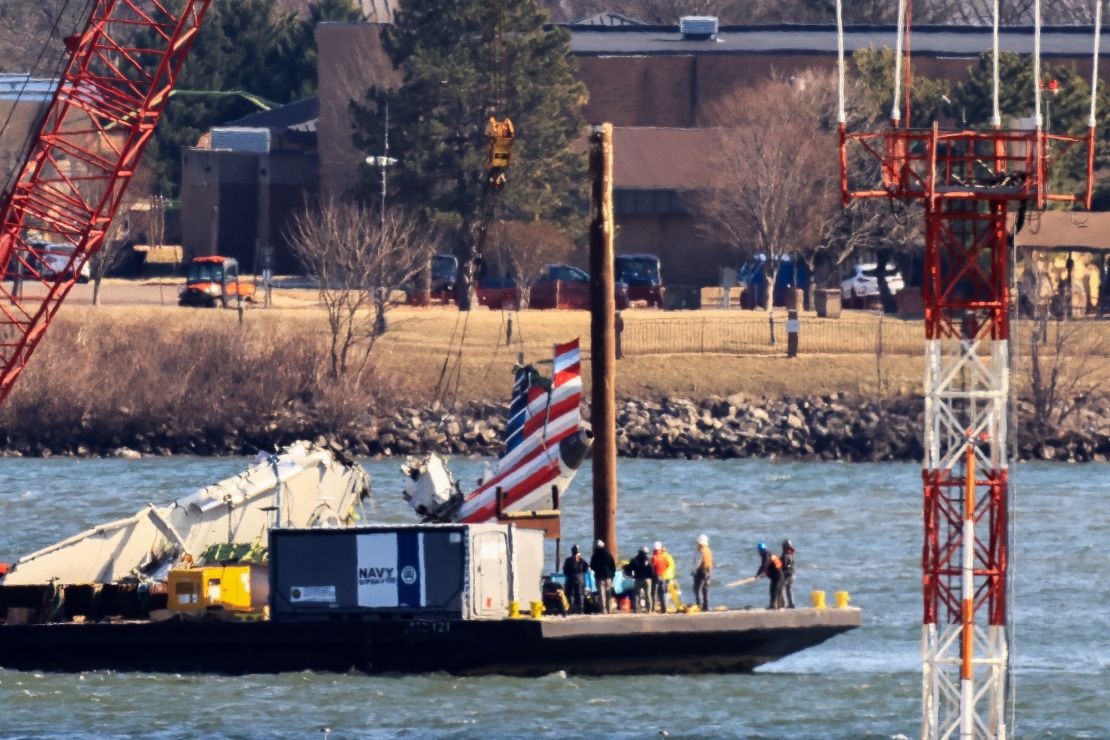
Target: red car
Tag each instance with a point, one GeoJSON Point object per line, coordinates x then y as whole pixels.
{"type": "Point", "coordinates": [565, 286]}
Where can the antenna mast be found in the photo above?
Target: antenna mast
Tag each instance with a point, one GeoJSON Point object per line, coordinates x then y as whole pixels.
{"type": "Point", "coordinates": [968, 181]}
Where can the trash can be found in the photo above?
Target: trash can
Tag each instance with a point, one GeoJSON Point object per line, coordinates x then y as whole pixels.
{"type": "Point", "coordinates": [910, 302]}
{"type": "Point", "coordinates": [795, 299]}
{"type": "Point", "coordinates": [828, 304]}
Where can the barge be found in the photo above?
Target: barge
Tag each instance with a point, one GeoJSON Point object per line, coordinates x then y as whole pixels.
{"type": "Point", "coordinates": [407, 599]}
{"type": "Point", "coordinates": [713, 642]}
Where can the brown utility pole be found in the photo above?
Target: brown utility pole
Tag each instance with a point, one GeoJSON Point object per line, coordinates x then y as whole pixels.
{"type": "Point", "coordinates": [603, 360]}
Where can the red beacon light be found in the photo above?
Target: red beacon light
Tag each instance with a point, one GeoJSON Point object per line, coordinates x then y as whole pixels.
{"type": "Point", "coordinates": [1052, 86]}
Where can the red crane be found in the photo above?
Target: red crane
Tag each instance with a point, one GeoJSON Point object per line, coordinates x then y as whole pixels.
{"type": "Point", "coordinates": [117, 81]}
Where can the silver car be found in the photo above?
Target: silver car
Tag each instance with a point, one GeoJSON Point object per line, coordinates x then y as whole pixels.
{"type": "Point", "coordinates": [52, 259]}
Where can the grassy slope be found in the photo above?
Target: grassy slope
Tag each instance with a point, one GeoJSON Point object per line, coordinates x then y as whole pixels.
{"type": "Point", "coordinates": [104, 375]}
{"type": "Point", "coordinates": [162, 348]}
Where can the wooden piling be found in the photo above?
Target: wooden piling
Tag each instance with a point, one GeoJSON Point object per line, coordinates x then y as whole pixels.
{"type": "Point", "coordinates": [603, 337]}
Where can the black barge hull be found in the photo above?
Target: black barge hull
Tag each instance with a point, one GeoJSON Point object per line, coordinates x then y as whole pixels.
{"type": "Point", "coordinates": [717, 642]}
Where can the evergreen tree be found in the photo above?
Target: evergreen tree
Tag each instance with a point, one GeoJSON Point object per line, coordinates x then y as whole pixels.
{"type": "Point", "coordinates": [464, 61]}
{"type": "Point", "coordinates": [1065, 107]}
{"type": "Point", "coordinates": [246, 45]}
{"type": "Point", "coordinates": [873, 75]}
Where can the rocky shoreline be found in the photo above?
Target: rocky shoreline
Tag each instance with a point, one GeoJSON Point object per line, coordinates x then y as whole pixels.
{"type": "Point", "coordinates": [830, 427]}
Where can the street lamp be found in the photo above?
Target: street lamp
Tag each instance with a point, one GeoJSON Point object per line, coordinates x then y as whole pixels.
{"type": "Point", "coordinates": [963, 110]}
{"type": "Point", "coordinates": [383, 161]}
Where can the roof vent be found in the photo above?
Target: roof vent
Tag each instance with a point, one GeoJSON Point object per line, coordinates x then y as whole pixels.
{"type": "Point", "coordinates": [698, 27]}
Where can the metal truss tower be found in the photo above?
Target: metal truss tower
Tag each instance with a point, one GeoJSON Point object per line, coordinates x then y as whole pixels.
{"type": "Point", "coordinates": [118, 76]}
{"type": "Point", "coordinates": [975, 187]}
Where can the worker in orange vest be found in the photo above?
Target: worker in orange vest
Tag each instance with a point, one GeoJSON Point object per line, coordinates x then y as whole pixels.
{"type": "Point", "coordinates": [662, 565]}
{"type": "Point", "coordinates": [770, 565]}
{"type": "Point", "coordinates": [703, 567]}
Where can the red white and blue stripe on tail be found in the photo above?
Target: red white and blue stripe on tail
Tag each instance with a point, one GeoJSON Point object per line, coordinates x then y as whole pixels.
{"type": "Point", "coordinates": [543, 412]}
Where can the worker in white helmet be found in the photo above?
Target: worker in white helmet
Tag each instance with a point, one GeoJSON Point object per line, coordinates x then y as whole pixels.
{"type": "Point", "coordinates": [703, 568]}
{"type": "Point", "coordinates": [604, 568]}
{"type": "Point", "coordinates": [662, 565]}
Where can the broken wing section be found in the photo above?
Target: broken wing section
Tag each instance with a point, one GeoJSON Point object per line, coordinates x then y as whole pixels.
{"type": "Point", "coordinates": [301, 486]}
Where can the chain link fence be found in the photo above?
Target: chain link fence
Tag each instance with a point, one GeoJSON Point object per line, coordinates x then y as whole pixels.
{"type": "Point", "coordinates": [885, 335]}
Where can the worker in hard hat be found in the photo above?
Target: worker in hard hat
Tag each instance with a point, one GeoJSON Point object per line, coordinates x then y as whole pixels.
{"type": "Point", "coordinates": [604, 568]}
{"type": "Point", "coordinates": [644, 577]}
{"type": "Point", "coordinates": [662, 565]}
{"type": "Point", "coordinates": [703, 567]}
{"type": "Point", "coordinates": [787, 574]}
{"type": "Point", "coordinates": [770, 566]}
{"type": "Point", "coordinates": [574, 571]}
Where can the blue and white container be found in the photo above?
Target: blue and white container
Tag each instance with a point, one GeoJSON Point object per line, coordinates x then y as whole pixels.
{"type": "Point", "coordinates": [441, 571]}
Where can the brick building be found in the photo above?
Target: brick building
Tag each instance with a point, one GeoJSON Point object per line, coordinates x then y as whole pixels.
{"type": "Point", "coordinates": [243, 184]}
{"type": "Point", "coordinates": [661, 89]}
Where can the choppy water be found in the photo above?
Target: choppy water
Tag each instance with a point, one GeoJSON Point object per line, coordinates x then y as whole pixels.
{"type": "Point", "coordinates": [856, 527]}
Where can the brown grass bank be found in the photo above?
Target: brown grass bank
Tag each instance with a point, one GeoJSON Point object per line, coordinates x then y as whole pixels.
{"type": "Point", "coordinates": [172, 379]}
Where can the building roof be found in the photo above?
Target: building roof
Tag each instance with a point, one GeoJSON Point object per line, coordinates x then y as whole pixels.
{"type": "Point", "coordinates": [940, 41]}
{"type": "Point", "coordinates": [1067, 231]}
{"type": "Point", "coordinates": [664, 158]}
{"type": "Point", "coordinates": [26, 89]}
{"type": "Point", "coordinates": [300, 115]}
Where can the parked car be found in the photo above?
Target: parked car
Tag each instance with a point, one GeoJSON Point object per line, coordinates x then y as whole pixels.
{"type": "Point", "coordinates": [445, 271]}
{"type": "Point", "coordinates": [492, 291]}
{"type": "Point", "coordinates": [863, 282]}
{"type": "Point", "coordinates": [498, 292]}
{"type": "Point", "coordinates": [49, 260]}
{"type": "Point", "coordinates": [565, 286]}
{"type": "Point", "coordinates": [644, 276]}
{"type": "Point", "coordinates": [753, 277]}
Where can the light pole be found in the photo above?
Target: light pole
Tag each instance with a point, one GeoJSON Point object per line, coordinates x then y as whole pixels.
{"type": "Point", "coordinates": [383, 161]}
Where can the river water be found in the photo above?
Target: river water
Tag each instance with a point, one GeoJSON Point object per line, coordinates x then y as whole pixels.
{"type": "Point", "coordinates": [856, 528]}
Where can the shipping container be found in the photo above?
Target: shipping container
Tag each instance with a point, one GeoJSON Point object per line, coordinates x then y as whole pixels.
{"type": "Point", "coordinates": [239, 588]}
{"type": "Point", "coordinates": [440, 571]}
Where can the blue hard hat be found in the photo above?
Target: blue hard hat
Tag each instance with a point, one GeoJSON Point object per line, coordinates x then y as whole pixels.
{"type": "Point", "coordinates": [762, 547]}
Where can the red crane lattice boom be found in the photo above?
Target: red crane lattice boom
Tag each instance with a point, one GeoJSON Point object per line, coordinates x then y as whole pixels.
{"type": "Point", "coordinates": [116, 83]}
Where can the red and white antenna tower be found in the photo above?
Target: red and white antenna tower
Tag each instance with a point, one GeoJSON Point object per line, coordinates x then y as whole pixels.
{"type": "Point", "coordinates": [120, 70]}
{"type": "Point", "coordinates": [967, 181]}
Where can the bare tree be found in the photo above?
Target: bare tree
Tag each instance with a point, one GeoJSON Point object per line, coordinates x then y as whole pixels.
{"type": "Point", "coordinates": [1064, 356]}
{"type": "Point", "coordinates": [525, 249]}
{"type": "Point", "coordinates": [112, 251]}
{"type": "Point", "coordinates": [668, 12]}
{"type": "Point", "coordinates": [878, 227]}
{"type": "Point", "coordinates": [1012, 13]}
{"type": "Point", "coordinates": [32, 34]}
{"type": "Point", "coordinates": [779, 177]}
{"type": "Point", "coordinates": [359, 258]}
